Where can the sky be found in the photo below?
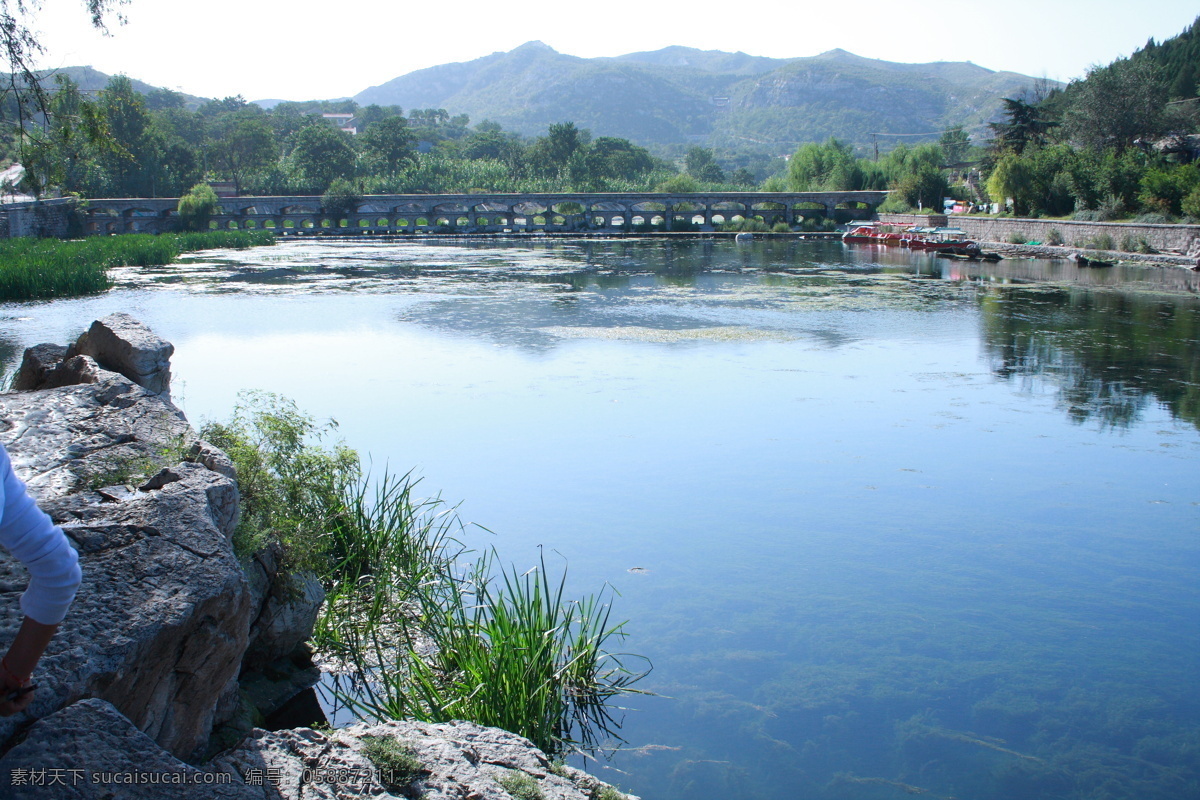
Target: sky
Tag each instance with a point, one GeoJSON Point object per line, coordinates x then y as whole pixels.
{"type": "Point", "coordinates": [305, 49]}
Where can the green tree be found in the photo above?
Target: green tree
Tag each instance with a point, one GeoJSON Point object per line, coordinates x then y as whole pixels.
{"type": "Point", "coordinates": [244, 145]}
{"type": "Point", "coordinates": [702, 165]}
{"type": "Point", "coordinates": [319, 154]}
{"type": "Point", "coordinates": [341, 199]}
{"type": "Point", "coordinates": [197, 207]}
{"type": "Point", "coordinates": [1118, 104]}
{"type": "Point", "coordinates": [1025, 124]}
{"type": "Point", "coordinates": [956, 145]}
{"type": "Point", "coordinates": [831, 166]}
{"type": "Point", "coordinates": [389, 144]}
{"type": "Point", "coordinates": [550, 154]}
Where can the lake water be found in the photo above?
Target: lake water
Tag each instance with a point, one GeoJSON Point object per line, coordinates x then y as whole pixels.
{"type": "Point", "coordinates": [885, 525]}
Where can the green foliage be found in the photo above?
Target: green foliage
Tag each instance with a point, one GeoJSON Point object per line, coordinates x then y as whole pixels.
{"type": "Point", "coordinates": [1017, 238]}
{"type": "Point", "coordinates": [197, 207]}
{"type": "Point", "coordinates": [700, 164]}
{"type": "Point", "coordinates": [781, 227]}
{"type": "Point", "coordinates": [1054, 237]}
{"type": "Point", "coordinates": [1118, 104]}
{"type": "Point", "coordinates": [831, 166]}
{"type": "Point", "coordinates": [44, 268]}
{"type": "Point", "coordinates": [1101, 241]}
{"type": "Point", "coordinates": [499, 648]}
{"type": "Point", "coordinates": [290, 483]}
{"type": "Point", "coordinates": [1190, 205]}
{"type": "Point", "coordinates": [1165, 187]}
{"type": "Point", "coordinates": [318, 154]}
{"type": "Point", "coordinates": [520, 785]}
{"type": "Point", "coordinates": [388, 145]}
{"type": "Point", "coordinates": [396, 763]}
{"type": "Point", "coordinates": [341, 199]}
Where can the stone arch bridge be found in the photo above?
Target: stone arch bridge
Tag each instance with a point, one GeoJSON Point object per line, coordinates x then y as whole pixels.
{"type": "Point", "coordinates": [484, 213]}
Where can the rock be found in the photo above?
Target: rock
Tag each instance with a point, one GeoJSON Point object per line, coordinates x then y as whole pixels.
{"type": "Point", "coordinates": [457, 760]}
{"type": "Point", "coordinates": [286, 609]}
{"type": "Point", "coordinates": [160, 624]}
{"type": "Point", "coordinates": [89, 751]}
{"type": "Point", "coordinates": [122, 344]}
{"type": "Point", "coordinates": [37, 361]}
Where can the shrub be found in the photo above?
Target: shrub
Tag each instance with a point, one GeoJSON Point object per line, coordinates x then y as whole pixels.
{"type": "Point", "coordinates": [197, 207]}
{"type": "Point", "coordinates": [1017, 238]}
{"type": "Point", "coordinates": [1191, 204]}
{"type": "Point", "coordinates": [1086, 215]}
{"type": "Point", "coordinates": [895, 204]}
{"type": "Point", "coordinates": [1101, 241]}
{"type": "Point", "coordinates": [781, 227]}
{"type": "Point", "coordinates": [1153, 218]}
{"type": "Point", "coordinates": [1054, 237]}
{"type": "Point", "coordinates": [341, 199]}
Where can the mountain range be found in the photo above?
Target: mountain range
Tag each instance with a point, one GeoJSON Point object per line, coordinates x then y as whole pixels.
{"type": "Point", "coordinates": [681, 95]}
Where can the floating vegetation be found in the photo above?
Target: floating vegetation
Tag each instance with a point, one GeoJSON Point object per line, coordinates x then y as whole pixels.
{"type": "Point", "coordinates": [642, 334]}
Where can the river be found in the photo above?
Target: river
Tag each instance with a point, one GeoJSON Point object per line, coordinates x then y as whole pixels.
{"type": "Point", "coordinates": [885, 525]}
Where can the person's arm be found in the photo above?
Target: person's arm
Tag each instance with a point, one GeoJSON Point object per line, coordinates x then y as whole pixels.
{"type": "Point", "coordinates": [17, 665]}
{"type": "Point", "coordinates": [34, 540]}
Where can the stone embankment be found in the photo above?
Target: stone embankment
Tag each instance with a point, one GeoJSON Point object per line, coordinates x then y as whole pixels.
{"type": "Point", "coordinates": [169, 630]}
{"type": "Point", "coordinates": [1175, 245]}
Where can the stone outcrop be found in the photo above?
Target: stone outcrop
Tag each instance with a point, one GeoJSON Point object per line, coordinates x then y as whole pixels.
{"type": "Point", "coordinates": [89, 751]}
{"type": "Point", "coordinates": [161, 620]}
{"type": "Point", "coordinates": [123, 344]}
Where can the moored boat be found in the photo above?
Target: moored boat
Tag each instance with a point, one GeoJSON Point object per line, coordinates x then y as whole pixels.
{"type": "Point", "coordinates": [912, 238]}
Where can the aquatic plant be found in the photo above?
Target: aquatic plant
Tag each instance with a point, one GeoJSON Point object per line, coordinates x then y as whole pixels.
{"type": "Point", "coordinates": [33, 269]}
{"type": "Point", "coordinates": [423, 634]}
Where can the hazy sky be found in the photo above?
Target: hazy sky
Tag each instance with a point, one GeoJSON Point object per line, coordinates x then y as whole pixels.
{"type": "Point", "coordinates": [304, 49]}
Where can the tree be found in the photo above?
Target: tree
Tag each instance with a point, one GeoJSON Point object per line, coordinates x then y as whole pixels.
{"type": "Point", "coordinates": [319, 154]}
{"type": "Point", "coordinates": [1118, 104]}
{"type": "Point", "coordinates": [341, 199]}
{"type": "Point", "coordinates": [824, 167]}
{"type": "Point", "coordinates": [1026, 124]}
{"type": "Point", "coordinates": [610, 157]}
{"type": "Point", "coordinates": [244, 146]}
{"type": "Point", "coordinates": [389, 144]}
{"type": "Point", "coordinates": [131, 162]}
{"type": "Point", "coordinates": [550, 154]}
{"type": "Point", "coordinates": [22, 47]}
{"type": "Point", "coordinates": [955, 143]}
{"type": "Point", "coordinates": [701, 165]}
{"type": "Point", "coordinates": [197, 207]}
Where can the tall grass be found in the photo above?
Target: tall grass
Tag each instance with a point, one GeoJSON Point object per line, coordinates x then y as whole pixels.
{"type": "Point", "coordinates": [423, 629]}
{"type": "Point", "coordinates": [32, 269]}
{"type": "Point", "coordinates": [500, 648]}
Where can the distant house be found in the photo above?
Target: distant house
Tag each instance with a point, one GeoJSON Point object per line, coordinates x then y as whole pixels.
{"type": "Point", "coordinates": [343, 122]}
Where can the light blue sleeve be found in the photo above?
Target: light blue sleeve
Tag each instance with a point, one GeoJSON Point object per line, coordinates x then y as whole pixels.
{"type": "Point", "coordinates": [34, 540]}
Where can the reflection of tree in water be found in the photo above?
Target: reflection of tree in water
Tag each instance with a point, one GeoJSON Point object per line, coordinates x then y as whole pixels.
{"type": "Point", "coordinates": [10, 359]}
{"type": "Point", "coordinates": [1109, 354]}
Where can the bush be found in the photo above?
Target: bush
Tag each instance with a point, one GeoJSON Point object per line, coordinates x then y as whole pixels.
{"type": "Point", "coordinates": [1017, 238]}
{"type": "Point", "coordinates": [1153, 218]}
{"type": "Point", "coordinates": [781, 227]}
{"type": "Point", "coordinates": [1054, 237]}
{"type": "Point", "coordinates": [895, 204]}
{"type": "Point", "coordinates": [1101, 241]}
{"type": "Point", "coordinates": [1191, 204]}
{"type": "Point", "coordinates": [341, 199]}
{"type": "Point", "coordinates": [197, 207]}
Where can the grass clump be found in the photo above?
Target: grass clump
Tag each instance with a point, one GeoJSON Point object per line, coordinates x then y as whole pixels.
{"type": "Point", "coordinates": [1054, 237]}
{"type": "Point", "coordinates": [423, 632]}
{"type": "Point", "coordinates": [520, 785]}
{"type": "Point", "coordinates": [1101, 241]}
{"type": "Point", "coordinates": [1017, 238]}
{"type": "Point", "coordinates": [396, 763]}
{"type": "Point", "coordinates": [32, 269]}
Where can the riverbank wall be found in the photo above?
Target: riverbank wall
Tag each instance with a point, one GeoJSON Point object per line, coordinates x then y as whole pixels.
{"type": "Point", "coordinates": [1181, 240]}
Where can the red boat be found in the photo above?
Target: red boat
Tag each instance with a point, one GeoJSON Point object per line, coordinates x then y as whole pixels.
{"type": "Point", "coordinates": [913, 238]}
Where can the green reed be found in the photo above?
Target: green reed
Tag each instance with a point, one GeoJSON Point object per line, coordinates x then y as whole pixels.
{"type": "Point", "coordinates": [422, 631]}
{"type": "Point", "coordinates": [34, 269]}
{"type": "Point", "coordinates": [429, 638]}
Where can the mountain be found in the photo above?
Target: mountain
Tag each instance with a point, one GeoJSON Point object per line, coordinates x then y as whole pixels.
{"type": "Point", "coordinates": [681, 95]}
{"type": "Point", "coordinates": [92, 80]}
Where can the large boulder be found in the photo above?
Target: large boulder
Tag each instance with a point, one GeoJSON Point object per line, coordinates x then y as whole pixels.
{"type": "Point", "coordinates": [123, 344]}
{"type": "Point", "coordinates": [161, 621]}
{"type": "Point", "coordinates": [89, 751]}
{"type": "Point", "coordinates": [449, 761]}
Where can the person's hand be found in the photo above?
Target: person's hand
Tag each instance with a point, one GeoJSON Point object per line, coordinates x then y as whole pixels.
{"type": "Point", "coordinates": [10, 684]}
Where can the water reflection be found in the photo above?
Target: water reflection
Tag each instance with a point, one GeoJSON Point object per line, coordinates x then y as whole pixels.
{"type": "Point", "coordinates": [1108, 354]}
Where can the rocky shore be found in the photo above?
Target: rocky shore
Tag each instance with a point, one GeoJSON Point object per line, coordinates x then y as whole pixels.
{"type": "Point", "coordinates": [172, 645]}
